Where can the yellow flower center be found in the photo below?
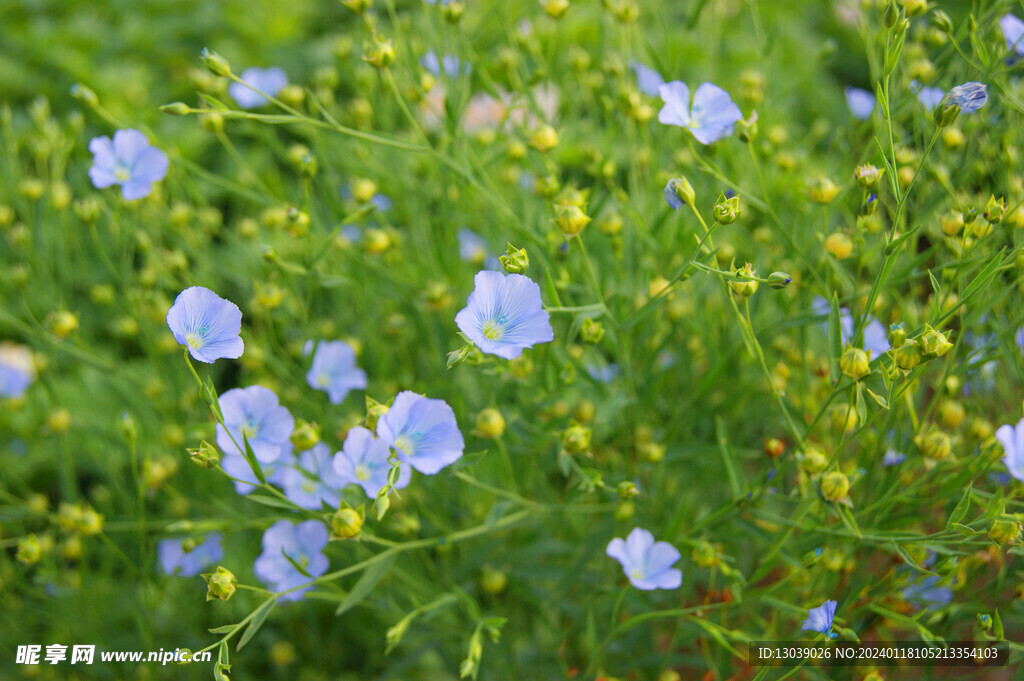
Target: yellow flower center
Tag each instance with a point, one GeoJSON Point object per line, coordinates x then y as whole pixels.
{"type": "Point", "coordinates": [636, 573]}
{"type": "Point", "coordinates": [405, 444]}
{"type": "Point", "coordinates": [493, 330]}
{"type": "Point", "coordinates": [194, 340]}
{"type": "Point", "coordinates": [362, 472]}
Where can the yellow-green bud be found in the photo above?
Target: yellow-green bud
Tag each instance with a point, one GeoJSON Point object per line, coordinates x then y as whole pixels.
{"type": "Point", "coordinates": [206, 456]}
{"type": "Point", "coordinates": [936, 445]}
{"type": "Point", "coordinates": [90, 522]}
{"type": "Point", "coordinates": [705, 555]}
{"type": "Point", "coordinates": [555, 9]}
{"type": "Point", "coordinates": [897, 335]}
{"type": "Point", "coordinates": [490, 423]}
{"type": "Point", "coordinates": [221, 583]}
{"type": "Point", "coordinates": [452, 12]}
{"type": "Point", "coordinates": [682, 188]}
{"type": "Point", "coordinates": [727, 210]}
{"type": "Point", "coordinates": [814, 461]}
{"type": "Point", "coordinates": [29, 550]}
{"type": "Point", "coordinates": [570, 219]}
{"type": "Point", "coordinates": [624, 510]}
{"type": "Point", "coordinates": [1004, 531]}
{"type": "Point", "coordinates": [627, 490]}
{"type": "Point", "coordinates": [305, 436]}
{"type": "Point", "coordinates": [867, 175]}
{"type": "Point", "coordinates": [747, 128]}
{"type": "Point", "coordinates": [855, 363]}
{"type": "Point", "coordinates": [493, 581]}
{"type": "Point", "coordinates": [547, 186]}
{"type": "Point", "coordinates": [823, 190]}
{"type": "Point", "coordinates": [576, 438]}
{"type": "Point", "coordinates": [176, 109]}
{"type": "Point", "coordinates": [85, 95]}
{"type": "Point", "coordinates": [357, 6]}
{"type": "Point", "coordinates": [984, 621]}
{"type": "Point", "coordinates": [908, 355]}
{"type": "Point", "coordinates": [544, 138]}
{"type": "Point", "coordinates": [839, 245]}
{"type": "Point", "coordinates": [652, 451]}
{"type": "Point", "coordinates": [951, 413]}
{"type": "Point", "coordinates": [835, 486]}
{"type": "Point", "coordinates": [995, 210]}
{"type": "Point", "coordinates": [946, 113]}
{"type": "Point", "coordinates": [347, 523]}
{"type": "Point", "coordinates": [892, 14]}
{"type": "Point", "coordinates": [217, 64]}
{"type": "Point", "coordinates": [779, 280]}
{"type": "Point", "coordinates": [934, 343]}
{"type": "Point", "coordinates": [744, 287]}
{"type": "Point", "coordinates": [380, 52]}
{"type": "Point", "coordinates": [669, 675]}
{"type": "Point", "coordinates": [515, 260]}
{"type": "Point", "coordinates": [914, 8]}
{"type": "Point", "coordinates": [591, 331]}
{"type": "Point", "coordinates": [942, 21]}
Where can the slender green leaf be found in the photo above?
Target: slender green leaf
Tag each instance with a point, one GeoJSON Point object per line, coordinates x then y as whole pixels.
{"type": "Point", "coordinates": [364, 585]}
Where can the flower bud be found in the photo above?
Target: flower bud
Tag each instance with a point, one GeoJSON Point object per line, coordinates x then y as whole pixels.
{"type": "Point", "coordinates": [347, 523]}
{"type": "Point", "coordinates": [547, 186]}
{"type": "Point", "coordinates": [936, 445]}
{"type": "Point", "coordinates": [869, 205]}
{"type": "Point", "coordinates": [892, 14]}
{"type": "Point", "coordinates": [576, 438]}
{"type": "Point", "coordinates": [727, 210]}
{"type": "Point", "coordinates": [206, 456]}
{"type": "Point", "coordinates": [624, 510]}
{"type": "Point", "coordinates": [85, 95]}
{"type": "Point", "coordinates": [984, 621]}
{"type": "Point", "coordinates": [490, 423]}
{"type": "Point", "coordinates": [679, 192]}
{"type": "Point", "coordinates": [814, 461]}
{"type": "Point", "coordinates": [627, 490]}
{"type": "Point", "coordinates": [779, 280]}
{"type": "Point", "coordinates": [305, 436]}
{"type": "Point", "coordinates": [90, 522]}
{"type": "Point", "coordinates": [357, 6]}
{"type": "Point", "coordinates": [221, 583]}
{"type": "Point", "coordinates": [908, 355]}
{"type": "Point", "coordinates": [934, 343]}
{"type": "Point", "coordinates": [217, 64]}
{"type": "Point", "coordinates": [452, 11]}
{"type": "Point", "coordinates": [29, 550]}
{"type": "Point", "coordinates": [1004, 531]}
{"type": "Point", "coordinates": [515, 260]}
{"type": "Point", "coordinates": [855, 363]}
{"type": "Point", "coordinates": [823, 190]}
{"type": "Point", "coordinates": [747, 128]}
{"type": "Point", "coordinates": [774, 447]}
{"type": "Point", "coordinates": [176, 109]}
{"type": "Point", "coordinates": [897, 335]}
{"type": "Point", "coordinates": [839, 245]}
{"type": "Point", "coordinates": [942, 21]}
{"type": "Point", "coordinates": [946, 113]}
{"type": "Point", "coordinates": [705, 555]}
{"type": "Point", "coordinates": [570, 219]}
{"type": "Point", "coordinates": [867, 175]}
{"type": "Point", "coordinates": [555, 9]}
{"type": "Point", "coordinates": [914, 8]}
{"type": "Point", "coordinates": [363, 190]}
{"type": "Point", "coordinates": [379, 52]}
{"type": "Point", "coordinates": [591, 331]}
{"type": "Point", "coordinates": [744, 287]}
{"type": "Point", "coordinates": [951, 413]}
{"type": "Point", "coordinates": [544, 138]}
{"type": "Point", "coordinates": [493, 581]}
{"type": "Point", "coordinates": [995, 210]}
{"type": "Point", "coordinates": [835, 486]}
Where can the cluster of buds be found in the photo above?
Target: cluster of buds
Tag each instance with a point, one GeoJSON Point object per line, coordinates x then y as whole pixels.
{"type": "Point", "coordinates": [909, 353]}
{"type": "Point", "coordinates": [745, 285]}
{"type": "Point", "coordinates": [727, 209]}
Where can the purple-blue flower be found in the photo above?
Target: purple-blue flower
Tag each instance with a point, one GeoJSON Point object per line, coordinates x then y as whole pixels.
{"type": "Point", "coordinates": [671, 197]}
{"type": "Point", "coordinates": [206, 324]}
{"type": "Point", "coordinates": [448, 65]}
{"type": "Point", "coordinates": [648, 80]}
{"type": "Point", "coordinates": [925, 593]}
{"type": "Point", "coordinates": [17, 370]}
{"type": "Point", "coordinates": [709, 118]}
{"type": "Point", "coordinates": [302, 543]}
{"type": "Point", "coordinates": [504, 314]}
{"type": "Point", "coordinates": [473, 248]}
{"type": "Point", "coordinates": [876, 338]}
{"type": "Point", "coordinates": [174, 559]}
{"type": "Point", "coordinates": [1013, 32]}
{"type": "Point", "coordinates": [334, 370]}
{"type": "Point", "coordinates": [313, 480]}
{"type": "Point", "coordinates": [129, 161]}
{"type": "Point", "coordinates": [861, 103]}
{"type": "Point", "coordinates": [245, 480]}
{"type": "Point", "coordinates": [647, 563]}
{"type": "Point", "coordinates": [820, 619]}
{"type": "Point", "coordinates": [968, 97]}
{"type": "Point", "coordinates": [930, 97]}
{"type": "Point", "coordinates": [254, 412]}
{"type": "Point", "coordinates": [1012, 439]}
{"type": "Point", "coordinates": [363, 461]}
{"type": "Point", "coordinates": [269, 82]}
{"type": "Point", "coordinates": [423, 431]}
{"type": "Point", "coordinates": [893, 458]}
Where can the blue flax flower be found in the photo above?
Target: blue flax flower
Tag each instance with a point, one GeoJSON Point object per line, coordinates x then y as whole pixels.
{"type": "Point", "coordinates": [709, 118]}
{"type": "Point", "coordinates": [968, 97]}
{"type": "Point", "coordinates": [647, 563]}
{"type": "Point", "coordinates": [334, 370]}
{"type": "Point", "coordinates": [473, 248]}
{"type": "Point", "coordinates": [925, 593]}
{"type": "Point", "coordinates": [876, 338]}
{"type": "Point", "coordinates": [504, 315]}
{"type": "Point", "coordinates": [448, 65]}
{"type": "Point", "coordinates": [930, 97]}
{"type": "Point", "coordinates": [647, 79]}
{"type": "Point", "coordinates": [1012, 439]}
{"type": "Point", "coordinates": [1013, 32]}
{"type": "Point", "coordinates": [671, 197]}
{"type": "Point", "coordinates": [255, 413]}
{"type": "Point", "coordinates": [268, 81]}
{"type": "Point", "coordinates": [129, 161]}
{"type": "Point", "coordinates": [206, 324]}
{"type": "Point", "coordinates": [423, 431]}
{"type": "Point", "coordinates": [302, 543]}
{"type": "Point", "coordinates": [820, 619]}
{"type": "Point", "coordinates": [363, 461]}
{"type": "Point", "coordinates": [313, 480]}
{"type": "Point", "coordinates": [893, 458]}
{"type": "Point", "coordinates": [175, 559]}
{"type": "Point", "coordinates": [861, 103]}
{"type": "Point", "coordinates": [17, 370]}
